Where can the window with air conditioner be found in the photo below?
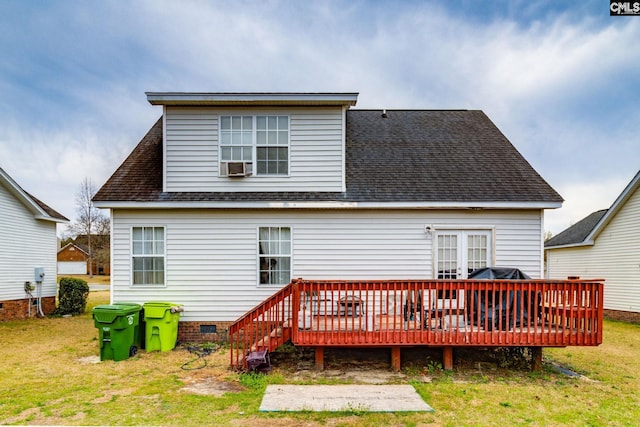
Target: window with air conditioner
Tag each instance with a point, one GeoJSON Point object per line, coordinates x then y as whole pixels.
{"type": "Point", "coordinates": [254, 145]}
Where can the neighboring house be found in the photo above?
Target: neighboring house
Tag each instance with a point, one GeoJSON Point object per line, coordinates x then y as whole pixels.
{"type": "Point", "coordinates": [73, 259]}
{"type": "Point", "coordinates": [231, 195]}
{"type": "Point", "coordinates": [605, 244]}
{"type": "Point", "coordinates": [27, 241]}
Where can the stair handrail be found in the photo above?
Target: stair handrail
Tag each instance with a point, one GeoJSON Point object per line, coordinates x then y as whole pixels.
{"type": "Point", "coordinates": [278, 300]}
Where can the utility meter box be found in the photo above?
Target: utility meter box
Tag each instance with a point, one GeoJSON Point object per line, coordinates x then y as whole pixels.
{"type": "Point", "coordinates": [38, 274]}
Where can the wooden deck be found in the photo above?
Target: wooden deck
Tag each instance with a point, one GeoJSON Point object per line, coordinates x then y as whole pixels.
{"type": "Point", "coordinates": [440, 313]}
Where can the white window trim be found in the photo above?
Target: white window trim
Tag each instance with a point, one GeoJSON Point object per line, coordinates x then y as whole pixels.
{"type": "Point", "coordinates": [254, 144]}
{"type": "Point", "coordinates": [291, 275]}
{"type": "Point", "coordinates": [131, 256]}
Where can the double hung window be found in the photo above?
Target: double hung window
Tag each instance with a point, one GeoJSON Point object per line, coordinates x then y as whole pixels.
{"type": "Point", "coordinates": [260, 139]}
{"type": "Point", "coordinates": [274, 255]}
{"type": "Point", "coordinates": [147, 255]}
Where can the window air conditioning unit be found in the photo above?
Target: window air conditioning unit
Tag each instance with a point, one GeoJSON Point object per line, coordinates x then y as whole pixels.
{"type": "Point", "coordinates": [235, 169]}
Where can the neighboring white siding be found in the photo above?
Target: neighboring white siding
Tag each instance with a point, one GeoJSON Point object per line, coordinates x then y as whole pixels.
{"type": "Point", "coordinates": [191, 151]}
{"type": "Point", "coordinates": [25, 243]}
{"type": "Point", "coordinates": [211, 255]}
{"type": "Point", "coordinates": [615, 257]}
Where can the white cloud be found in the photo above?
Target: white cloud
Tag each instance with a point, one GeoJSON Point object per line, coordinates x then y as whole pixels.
{"type": "Point", "coordinates": [582, 199]}
{"type": "Point", "coordinates": [563, 88]}
{"type": "Point", "coordinates": [51, 166]}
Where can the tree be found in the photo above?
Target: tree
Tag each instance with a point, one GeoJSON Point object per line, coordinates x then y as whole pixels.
{"type": "Point", "coordinates": [90, 220]}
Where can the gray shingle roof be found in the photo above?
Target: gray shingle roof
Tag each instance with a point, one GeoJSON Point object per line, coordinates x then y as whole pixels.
{"type": "Point", "coordinates": [49, 210]}
{"type": "Point", "coordinates": [424, 155]}
{"type": "Point", "coordinates": [407, 156]}
{"type": "Point", "coordinates": [578, 232]}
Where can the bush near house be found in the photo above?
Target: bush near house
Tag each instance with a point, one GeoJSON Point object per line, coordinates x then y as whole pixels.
{"type": "Point", "coordinates": [72, 296]}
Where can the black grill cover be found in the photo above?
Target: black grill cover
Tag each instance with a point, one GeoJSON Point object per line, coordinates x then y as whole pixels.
{"type": "Point", "coordinates": [493, 309]}
{"type": "Point", "coordinates": [498, 273]}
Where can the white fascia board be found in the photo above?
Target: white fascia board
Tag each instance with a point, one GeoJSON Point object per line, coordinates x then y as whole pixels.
{"type": "Point", "coordinates": [322, 205]}
{"type": "Point", "coordinates": [572, 245]}
{"type": "Point", "coordinates": [46, 217]}
{"type": "Point", "coordinates": [255, 98]}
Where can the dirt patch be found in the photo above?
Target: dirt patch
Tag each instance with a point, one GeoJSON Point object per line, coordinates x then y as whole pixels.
{"type": "Point", "coordinates": [373, 365]}
{"type": "Point", "coordinates": [90, 360]}
{"type": "Point", "coordinates": [353, 366]}
{"type": "Point", "coordinates": [209, 386]}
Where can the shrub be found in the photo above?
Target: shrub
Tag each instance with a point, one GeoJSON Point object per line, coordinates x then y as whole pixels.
{"type": "Point", "coordinates": [72, 296]}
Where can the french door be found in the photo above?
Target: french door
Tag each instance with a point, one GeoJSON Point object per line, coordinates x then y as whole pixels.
{"type": "Point", "coordinates": [458, 253]}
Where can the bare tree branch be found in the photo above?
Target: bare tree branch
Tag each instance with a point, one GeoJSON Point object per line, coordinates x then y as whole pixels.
{"type": "Point", "coordinates": [90, 220]}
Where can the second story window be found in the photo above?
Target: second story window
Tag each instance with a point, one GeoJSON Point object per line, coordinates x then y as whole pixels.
{"type": "Point", "coordinates": [236, 138]}
{"type": "Point", "coordinates": [260, 140]}
{"type": "Point", "coordinates": [272, 140]}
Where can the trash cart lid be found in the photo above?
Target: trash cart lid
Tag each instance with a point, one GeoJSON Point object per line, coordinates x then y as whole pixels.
{"type": "Point", "coordinates": [158, 309]}
{"type": "Point", "coordinates": [107, 313]}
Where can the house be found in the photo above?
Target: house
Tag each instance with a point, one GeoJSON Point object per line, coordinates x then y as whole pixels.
{"type": "Point", "coordinates": [73, 257]}
{"type": "Point", "coordinates": [605, 244]}
{"type": "Point", "coordinates": [231, 195]}
{"type": "Point", "coordinates": [28, 246]}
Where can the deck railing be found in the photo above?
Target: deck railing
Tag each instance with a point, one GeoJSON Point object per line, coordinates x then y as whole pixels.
{"type": "Point", "coordinates": [444, 313]}
{"type": "Point", "coordinates": [448, 312]}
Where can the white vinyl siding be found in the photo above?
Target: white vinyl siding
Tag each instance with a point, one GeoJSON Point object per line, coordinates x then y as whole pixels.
{"type": "Point", "coordinates": [25, 243]}
{"type": "Point", "coordinates": [615, 257]}
{"type": "Point", "coordinates": [190, 153]}
{"type": "Point", "coordinates": [191, 145]}
{"type": "Point", "coordinates": [211, 255]}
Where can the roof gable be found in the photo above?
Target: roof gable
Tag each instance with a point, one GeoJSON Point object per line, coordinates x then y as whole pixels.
{"type": "Point", "coordinates": [69, 245]}
{"type": "Point", "coordinates": [39, 209]}
{"type": "Point", "coordinates": [587, 230]}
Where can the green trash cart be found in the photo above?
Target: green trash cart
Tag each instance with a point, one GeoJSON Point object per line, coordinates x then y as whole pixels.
{"type": "Point", "coordinates": [117, 325]}
{"type": "Point", "coordinates": [161, 325]}
{"type": "Point", "coordinates": [138, 330]}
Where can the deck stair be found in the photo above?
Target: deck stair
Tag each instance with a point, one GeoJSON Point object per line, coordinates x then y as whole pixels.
{"type": "Point", "coordinates": [265, 327]}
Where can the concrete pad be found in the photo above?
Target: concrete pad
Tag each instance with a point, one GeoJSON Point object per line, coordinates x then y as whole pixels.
{"type": "Point", "coordinates": [365, 398]}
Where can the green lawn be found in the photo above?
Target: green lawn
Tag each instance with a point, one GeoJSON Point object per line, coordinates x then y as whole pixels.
{"type": "Point", "coordinates": [48, 378]}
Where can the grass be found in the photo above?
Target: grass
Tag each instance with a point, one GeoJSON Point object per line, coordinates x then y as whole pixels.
{"type": "Point", "coordinates": [47, 379]}
{"type": "Point", "coordinates": [100, 280]}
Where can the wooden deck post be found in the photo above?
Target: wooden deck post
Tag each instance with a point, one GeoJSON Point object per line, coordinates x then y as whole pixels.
{"type": "Point", "coordinates": [536, 358]}
{"type": "Point", "coordinates": [319, 358]}
{"type": "Point", "coordinates": [447, 358]}
{"type": "Point", "coordinates": [395, 358]}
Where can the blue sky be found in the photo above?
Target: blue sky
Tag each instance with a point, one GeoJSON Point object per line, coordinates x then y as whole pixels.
{"type": "Point", "coordinates": [561, 79]}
